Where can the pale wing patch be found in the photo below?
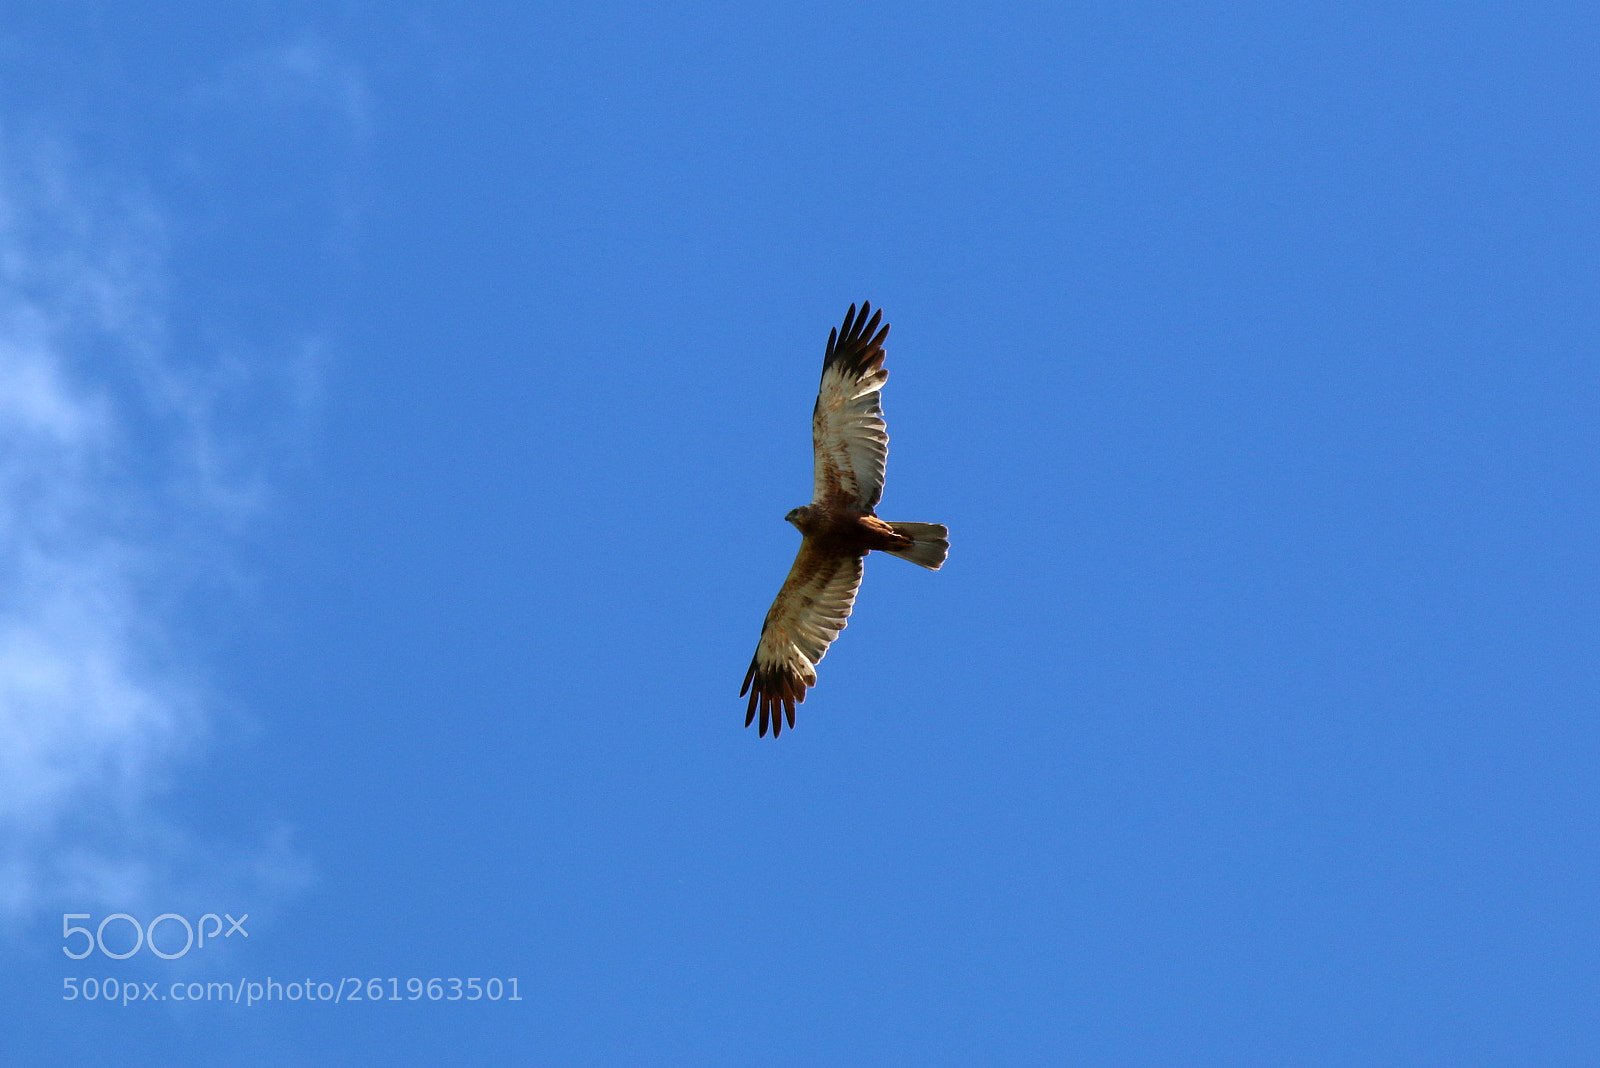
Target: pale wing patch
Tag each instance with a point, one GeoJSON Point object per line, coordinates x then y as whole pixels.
{"type": "Point", "coordinates": [848, 435]}
{"type": "Point", "coordinates": [806, 617]}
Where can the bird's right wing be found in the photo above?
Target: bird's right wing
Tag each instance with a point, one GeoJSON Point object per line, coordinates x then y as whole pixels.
{"type": "Point", "coordinates": [807, 616]}
{"type": "Point", "coordinates": [849, 441]}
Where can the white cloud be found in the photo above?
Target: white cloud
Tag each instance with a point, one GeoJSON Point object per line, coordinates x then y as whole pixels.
{"type": "Point", "coordinates": [303, 78]}
{"type": "Point", "coordinates": [113, 480]}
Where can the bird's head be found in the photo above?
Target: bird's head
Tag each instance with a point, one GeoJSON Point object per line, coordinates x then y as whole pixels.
{"type": "Point", "coordinates": [799, 515]}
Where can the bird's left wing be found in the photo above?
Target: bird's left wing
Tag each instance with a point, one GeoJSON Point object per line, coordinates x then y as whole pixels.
{"type": "Point", "coordinates": [807, 616]}
{"type": "Point", "coordinates": [848, 438]}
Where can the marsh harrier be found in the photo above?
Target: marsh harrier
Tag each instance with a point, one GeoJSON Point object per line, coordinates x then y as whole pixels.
{"type": "Point", "coordinates": [839, 526]}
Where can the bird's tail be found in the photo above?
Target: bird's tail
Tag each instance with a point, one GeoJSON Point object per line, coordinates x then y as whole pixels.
{"type": "Point", "coordinates": [929, 544]}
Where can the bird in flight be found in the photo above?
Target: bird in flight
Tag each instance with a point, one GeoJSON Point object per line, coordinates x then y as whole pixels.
{"type": "Point", "coordinates": [850, 447]}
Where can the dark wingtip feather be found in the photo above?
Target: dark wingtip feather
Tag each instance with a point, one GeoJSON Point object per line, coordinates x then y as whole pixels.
{"type": "Point", "coordinates": [858, 343]}
{"type": "Point", "coordinates": [773, 694]}
{"type": "Point", "coordinates": [872, 324]}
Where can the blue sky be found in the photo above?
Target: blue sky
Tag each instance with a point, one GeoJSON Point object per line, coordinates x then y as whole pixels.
{"type": "Point", "coordinates": [399, 407]}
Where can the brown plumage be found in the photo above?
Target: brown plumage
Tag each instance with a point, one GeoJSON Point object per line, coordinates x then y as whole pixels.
{"type": "Point", "coordinates": [839, 526]}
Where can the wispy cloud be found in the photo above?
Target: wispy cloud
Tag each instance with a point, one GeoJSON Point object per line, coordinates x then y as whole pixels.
{"type": "Point", "coordinates": [316, 106]}
{"type": "Point", "coordinates": [301, 79]}
{"type": "Point", "coordinates": [114, 479]}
